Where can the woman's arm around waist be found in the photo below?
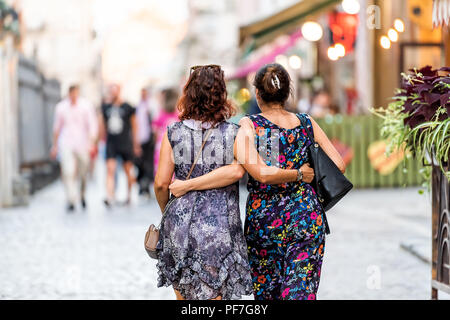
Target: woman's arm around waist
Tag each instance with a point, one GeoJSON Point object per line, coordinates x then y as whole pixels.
{"type": "Point", "coordinates": [219, 178]}
{"type": "Point", "coordinates": [247, 154]}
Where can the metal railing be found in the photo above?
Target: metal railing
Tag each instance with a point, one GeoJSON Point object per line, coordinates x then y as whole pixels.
{"type": "Point", "coordinates": [37, 99]}
{"type": "Point", "coordinates": [440, 232]}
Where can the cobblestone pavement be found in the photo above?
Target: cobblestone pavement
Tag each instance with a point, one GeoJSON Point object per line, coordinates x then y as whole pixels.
{"type": "Point", "coordinates": [49, 254]}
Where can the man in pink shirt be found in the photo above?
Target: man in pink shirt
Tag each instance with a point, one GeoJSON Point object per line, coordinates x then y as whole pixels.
{"type": "Point", "coordinates": [75, 136]}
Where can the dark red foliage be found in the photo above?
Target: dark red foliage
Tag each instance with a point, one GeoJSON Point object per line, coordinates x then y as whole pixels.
{"type": "Point", "coordinates": [426, 92]}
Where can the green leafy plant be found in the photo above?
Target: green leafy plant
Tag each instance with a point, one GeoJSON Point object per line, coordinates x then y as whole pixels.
{"type": "Point", "coordinates": [9, 19]}
{"type": "Point", "coordinates": [418, 119]}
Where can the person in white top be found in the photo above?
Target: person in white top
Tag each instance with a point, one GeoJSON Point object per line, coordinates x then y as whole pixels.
{"type": "Point", "coordinates": [75, 134]}
{"type": "Point", "coordinates": [144, 163]}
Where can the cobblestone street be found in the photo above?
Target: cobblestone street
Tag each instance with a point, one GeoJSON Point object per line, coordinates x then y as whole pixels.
{"type": "Point", "coordinates": [49, 254]}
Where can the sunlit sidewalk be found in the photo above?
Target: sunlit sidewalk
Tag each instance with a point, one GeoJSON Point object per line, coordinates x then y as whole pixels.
{"type": "Point", "coordinates": [98, 254]}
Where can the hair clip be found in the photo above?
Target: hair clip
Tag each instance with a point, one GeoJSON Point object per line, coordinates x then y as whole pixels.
{"type": "Point", "coordinates": [276, 82]}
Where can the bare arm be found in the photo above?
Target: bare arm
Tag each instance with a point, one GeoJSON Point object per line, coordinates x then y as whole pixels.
{"type": "Point", "coordinates": [326, 145]}
{"type": "Point", "coordinates": [54, 151]}
{"type": "Point", "coordinates": [57, 126]}
{"type": "Point", "coordinates": [219, 178]}
{"type": "Point", "coordinates": [101, 127]}
{"type": "Point", "coordinates": [165, 173]}
{"type": "Point", "coordinates": [93, 126]}
{"type": "Point", "coordinates": [134, 127]}
{"type": "Point", "coordinates": [248, 156]}
{"type": "Point", "coordinates": [246, 153]}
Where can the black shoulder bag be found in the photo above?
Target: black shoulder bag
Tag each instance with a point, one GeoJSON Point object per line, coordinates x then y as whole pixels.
{"type": "Point", "coordinates": [329, 183]}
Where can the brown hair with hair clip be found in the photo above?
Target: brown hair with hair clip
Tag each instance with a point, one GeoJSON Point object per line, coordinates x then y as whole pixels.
{"type": "Point", "coordinates": [273, 83]}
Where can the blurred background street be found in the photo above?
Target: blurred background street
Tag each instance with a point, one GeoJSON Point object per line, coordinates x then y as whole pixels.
{"type": "Point", "coordinates": [345, 57]}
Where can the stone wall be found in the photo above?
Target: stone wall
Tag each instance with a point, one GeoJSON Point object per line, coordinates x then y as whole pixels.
{"type": "Point", "coordinates": [27, 104]}
{"type": "Point", "coordinates": [9, 152]}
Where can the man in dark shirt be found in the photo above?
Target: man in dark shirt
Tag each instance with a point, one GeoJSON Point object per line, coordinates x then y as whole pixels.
{"type": "Point", "coordinates": [118, 123]}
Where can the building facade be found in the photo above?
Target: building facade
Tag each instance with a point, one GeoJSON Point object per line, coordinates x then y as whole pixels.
{"type": "Point", "coordinates": [60, 37]}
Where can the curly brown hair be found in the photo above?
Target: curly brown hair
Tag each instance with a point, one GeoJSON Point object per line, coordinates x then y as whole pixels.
{"type": "Point", "coordinates": [205, 96]}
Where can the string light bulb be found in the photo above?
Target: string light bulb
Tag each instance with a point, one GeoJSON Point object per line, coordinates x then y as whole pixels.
{"type": "Point", "coordinates": [351, 6]}
{"type": "Point", "coordinates": [393, 35]}
{"type": "Point", "coordinates": [282, 59]}
{"type": "Point", "coordinates": [312, 31]}
{"type": "Point", "coordinates": [399, 25]}
{"type": "Point", "coordinates": [295, 62]}
{"type": "Point", "coordinates": [385, 42]}
{"type": "Point", "coordinates": [333, 54]}
{"type": "Point", "coordinates": [340, 50]}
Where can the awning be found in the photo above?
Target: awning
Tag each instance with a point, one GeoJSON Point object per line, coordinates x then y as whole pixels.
{"type": "Point", "coordinates": [253, 66]}
{"type": "Point", "coordinates": [441, 12]}
{"type": "Point", "coordinates": [285, 21]}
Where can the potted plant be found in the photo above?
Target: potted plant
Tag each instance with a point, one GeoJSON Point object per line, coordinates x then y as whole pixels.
{"type": "Point", "coordinates": [418, 122]}
{"type": "Point", "coordinates": [9, 20]}
{"type": "Point", "coordinates": [418, 119]}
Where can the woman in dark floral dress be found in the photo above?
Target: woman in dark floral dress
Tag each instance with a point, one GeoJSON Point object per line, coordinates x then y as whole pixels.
{"type": "Point", "coordinates": [285, 224]}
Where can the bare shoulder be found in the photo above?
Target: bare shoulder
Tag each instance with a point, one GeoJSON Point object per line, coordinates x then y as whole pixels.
{"type": "Point", "coordinates": [246, 123]}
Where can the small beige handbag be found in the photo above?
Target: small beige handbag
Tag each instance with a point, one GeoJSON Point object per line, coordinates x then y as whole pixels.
{"type": "Point", "coordinates": [152, 236]}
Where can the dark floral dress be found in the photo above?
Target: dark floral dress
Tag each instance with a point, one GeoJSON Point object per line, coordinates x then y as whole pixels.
{"type": "Point", "coordinates": [202, 251]}
{"type": "Point", "coordinates": [285, 223]}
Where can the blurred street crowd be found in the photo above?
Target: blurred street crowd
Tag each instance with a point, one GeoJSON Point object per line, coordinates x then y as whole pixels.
{"type": "Point", "coordinates": [125, 136]}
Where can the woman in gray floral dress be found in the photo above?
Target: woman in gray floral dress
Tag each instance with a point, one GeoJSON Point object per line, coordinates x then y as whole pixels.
{"type": "Point", "coordinates": [202, 251]}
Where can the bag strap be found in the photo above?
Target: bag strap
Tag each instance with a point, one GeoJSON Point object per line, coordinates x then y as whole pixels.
{"type": "Point", "coordinates": [305, 125]}
{"type": "Point", "coordinates": [197, 157]}
{"type": "Point", "coordinates": [199, 154]}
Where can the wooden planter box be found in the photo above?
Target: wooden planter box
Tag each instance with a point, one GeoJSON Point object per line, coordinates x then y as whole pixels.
{"type": "Point", "coordinates": [441, 232]}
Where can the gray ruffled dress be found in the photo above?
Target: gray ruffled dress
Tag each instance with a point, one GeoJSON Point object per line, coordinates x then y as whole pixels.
{"type": "Point", "coordinates": [202, 250]}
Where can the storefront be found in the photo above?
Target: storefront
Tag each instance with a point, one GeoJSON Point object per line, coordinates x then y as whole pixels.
{"type": "Point", "coordinates": [317, 42]}
{"type": "Point", "coordinates": [347, 56]}
{"type": "Point", "coordinates": [353, 50]}
{"type": "Point", "coordinates": [9, 157]}
{"type": "Point", "coordinates": [441, 18]}
{"type": "Point", "coordinates": [405, 39]}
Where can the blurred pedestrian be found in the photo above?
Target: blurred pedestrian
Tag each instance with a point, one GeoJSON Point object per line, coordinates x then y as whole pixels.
{"type": "Point", "coordinates": [154, 102]}
{"type": "Point", "coordinates": [144, 163]}
{"type": "Point", "coordinates": [167, 116]}
{"type": "Point", "coordinates": [74, 139]}
{"type": "Point", "coordinates": [118, 122]}
{"type": "Point", "coordinates": [321, 104]}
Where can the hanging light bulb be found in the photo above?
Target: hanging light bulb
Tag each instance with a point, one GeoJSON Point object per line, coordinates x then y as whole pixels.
{"type": "Point", "coordinates": [351, 6]}
{"type": "Point", "coordinates": [385, 42]}
{"type": "Point", "coordinates": [282, 59]}
{"type": "Point", "coordinates": [340, 50]}
{"type": "Point", "coordinates": [399, 25]}
{"type": "Point", "coordinates": [333, 54]}
{"type": "Point", "coordinates": [295, 62]}
{"type": "Point", "coordinates": [393, 35]}
{"type": "Point", "coordinates": [312, 31]}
